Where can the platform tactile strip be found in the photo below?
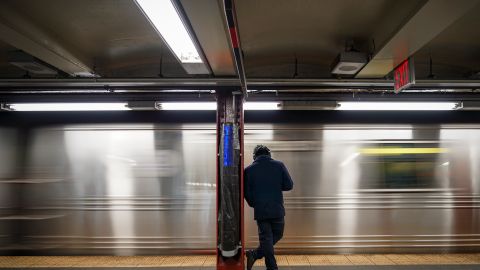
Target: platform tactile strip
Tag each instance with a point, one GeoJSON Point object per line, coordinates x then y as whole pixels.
{"type": "Point", "coordinates": [210, 261]}
{"type": "Point", "coordinates": [380, 259]}
{"type": "Point", "coordinates": [339, 260]}
{"type": "Point", "coordinates": [359, 260]}
{"type": "Point", "coordinates": [297, 260]}
{"type": "Point", "coordinates": [318, 259]}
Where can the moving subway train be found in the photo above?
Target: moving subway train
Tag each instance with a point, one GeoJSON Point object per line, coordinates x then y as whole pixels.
{"type": "Point", "coordinates": [128, 189]}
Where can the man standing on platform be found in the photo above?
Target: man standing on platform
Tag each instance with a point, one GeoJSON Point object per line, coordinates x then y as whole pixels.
{"type": "Point", "coordinates": [264, 181]}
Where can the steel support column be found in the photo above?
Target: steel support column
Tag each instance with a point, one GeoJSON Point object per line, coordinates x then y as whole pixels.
{"type": "Point", "coordinates": [230, 236]}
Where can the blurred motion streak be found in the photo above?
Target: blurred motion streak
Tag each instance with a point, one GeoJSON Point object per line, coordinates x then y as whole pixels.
{"type": "Point", "coordinates": [401, 151]}
{"type": "Point", "coordinates": [128, 189]}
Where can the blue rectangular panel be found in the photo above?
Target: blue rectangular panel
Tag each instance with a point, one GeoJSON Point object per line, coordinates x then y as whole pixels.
{"type": "Point", "coordinates": [227, 145]}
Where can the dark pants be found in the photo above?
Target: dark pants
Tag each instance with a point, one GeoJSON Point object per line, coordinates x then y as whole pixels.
{"type": "Point", "coordinates": [269, 232]}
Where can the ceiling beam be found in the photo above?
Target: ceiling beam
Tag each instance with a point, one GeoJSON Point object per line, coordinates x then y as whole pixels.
{"type": "Point", "coordinates": [27, 36]}
{"type": "Point", "coordinates": [210, 96]}
{"type": "Point", "coordinates": [429, 21]}
{"type": "Point", "coordinates": [137, 85]}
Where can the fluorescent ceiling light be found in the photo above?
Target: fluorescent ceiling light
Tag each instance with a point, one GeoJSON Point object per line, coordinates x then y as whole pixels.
{"type": "Point", "coordinates": [188, 106]}
{"type": "Point", "coordinates": [398, 106]}
{"type": "Point", "coordinates": [166, 19]}
{"type": "Point", "coordinates": [69, 107]}
{"type": "Point", "coordinates": [261, 106]}
{"type": "Point", "coordinates": [213, 106]}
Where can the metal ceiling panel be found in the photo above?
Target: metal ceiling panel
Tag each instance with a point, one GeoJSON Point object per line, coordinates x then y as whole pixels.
{"type": "Point", "coordinates": [208, 23]}
{"type": "Point", "coordinates": [112, 34]}
{"type": "Point", "coordinates": [455, 52]}
{"type": "Point", "coordinates": [6, 69]}
{"type": "Point", "coordinates": [20, 32]}
{"type": "Point", "coordinates": [274, 32]}
{"type": "Point", "coordinates": [430, 20]}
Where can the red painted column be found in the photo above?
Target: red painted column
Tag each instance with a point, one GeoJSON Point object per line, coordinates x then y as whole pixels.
{"type": "Point", "coordinates": [230, 216]}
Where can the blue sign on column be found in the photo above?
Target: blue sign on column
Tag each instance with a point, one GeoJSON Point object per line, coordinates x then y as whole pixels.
{"type": "Point", "coordinates": [227, 145]}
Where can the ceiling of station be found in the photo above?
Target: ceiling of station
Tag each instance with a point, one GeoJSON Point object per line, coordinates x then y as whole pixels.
{"type": "Point", "coordinates": [6, 69]}
{"type": "Point", "coordinates": [455, 52]}
{"type": "Point", "coordinates": [112, 36]}
{"type": "Point", "coordinates": [279, 38]}
{"type": "Point", "coordinates": [275, 32]}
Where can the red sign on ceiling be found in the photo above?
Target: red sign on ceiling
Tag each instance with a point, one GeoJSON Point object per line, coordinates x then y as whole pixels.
{"type": "Point", "coordinates": [404, 75]}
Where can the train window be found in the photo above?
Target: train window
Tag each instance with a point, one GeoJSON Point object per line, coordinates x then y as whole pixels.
{"type": "Point", "coordinates": [399, 166]}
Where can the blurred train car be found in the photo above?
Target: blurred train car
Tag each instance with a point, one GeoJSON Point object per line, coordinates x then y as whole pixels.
{"type": "Point", "coordinates": [150, 189]}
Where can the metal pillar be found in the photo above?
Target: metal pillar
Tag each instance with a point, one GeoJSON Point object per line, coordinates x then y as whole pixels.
{"type": "Point", "coordinates": [230, 236]}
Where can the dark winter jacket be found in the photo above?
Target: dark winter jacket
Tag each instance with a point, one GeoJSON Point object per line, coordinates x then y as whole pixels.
{"type": "Point", "coordinates": [264, 181]}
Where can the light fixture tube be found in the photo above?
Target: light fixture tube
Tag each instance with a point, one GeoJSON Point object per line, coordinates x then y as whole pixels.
{"type": "Point", "coordinates": [397, 106]}
{"type": "Point", "coordinates": [255, 106]}
{"type": "Point", "coordinates": [213, 106]}
{"type": "Point", "coordinates": [167, 21]}
{"type": "Point", "coordinates": [373, 106]}
{"type": "Point", "coordinates": [187, 106]}
{"type": "Point", "coordinates": [68, 107]}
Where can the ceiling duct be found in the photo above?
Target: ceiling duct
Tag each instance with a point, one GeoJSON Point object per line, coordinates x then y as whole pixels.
{"type": "Point", "coordinates": [31, 64]}
{"type": "Point", "coordinates": [349, 63]}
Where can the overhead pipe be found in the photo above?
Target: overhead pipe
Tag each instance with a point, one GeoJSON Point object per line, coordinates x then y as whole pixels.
{"type": "Point", "coordinates": [135, 85]}
{"type": "Point", "coordinates": [263, 96]}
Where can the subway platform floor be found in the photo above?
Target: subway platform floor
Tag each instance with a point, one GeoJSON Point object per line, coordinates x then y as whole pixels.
{"type": "Point", "coordinates": [287, 262]}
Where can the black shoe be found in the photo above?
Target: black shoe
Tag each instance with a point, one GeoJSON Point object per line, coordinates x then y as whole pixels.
{"type": "Point", "coordinates": [250, 259]}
